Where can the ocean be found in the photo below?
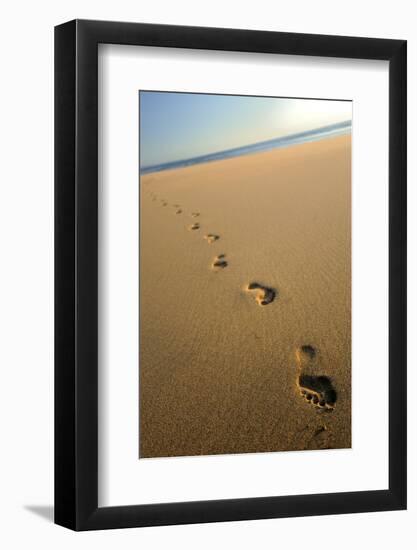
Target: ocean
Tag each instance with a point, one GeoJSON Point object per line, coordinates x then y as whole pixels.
{"type": "Point", "coordinates": [332, 130]}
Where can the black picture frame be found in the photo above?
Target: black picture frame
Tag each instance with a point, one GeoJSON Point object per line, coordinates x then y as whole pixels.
{"type": "Point", "coordinates": [76, 273]}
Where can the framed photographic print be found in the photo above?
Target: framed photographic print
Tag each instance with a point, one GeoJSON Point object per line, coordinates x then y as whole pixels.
{"type": "Point", "coordinates": [230, 338]}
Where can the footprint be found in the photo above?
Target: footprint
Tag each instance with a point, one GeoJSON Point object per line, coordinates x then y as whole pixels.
{"type": "Point", "coordinates": [179, 211]}
{"type": "Point", "coordinates": [322, 438]}
{"type": "Point", "coordinates": [264, 295]}
{"type": "Point", "coordinates": [316, 389]}
{"type": "Point", "coordinates": [219, 262]}
{"type": "Point", "coordinates": [210, 238]}
{"type": "Point", "coordinates": [164, 203]}
{"type": "Point", "coordinates": [194, 226]}
{"type": "Point", "coordinates": [195, 214]}
{"type": "Point", "coordinates": [314, 436]}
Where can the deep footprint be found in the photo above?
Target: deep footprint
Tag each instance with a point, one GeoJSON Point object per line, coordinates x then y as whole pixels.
{"type": "Point", "coordinates": [210, 238]}
{"type": "Point", "coordinates": [220, 262]}
{"type": "Point", "coordinates": [194, 226]}
{"type": "Point", "coordinates": [316, 389]}
{"type": "Point", "coordinates": [264, 294]}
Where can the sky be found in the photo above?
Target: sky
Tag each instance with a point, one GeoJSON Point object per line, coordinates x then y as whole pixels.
{"type": "Point", "coordinates": [177, 126]}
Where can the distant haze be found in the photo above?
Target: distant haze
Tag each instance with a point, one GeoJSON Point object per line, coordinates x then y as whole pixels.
{"type": "Point", "coordinates": [176, 126]}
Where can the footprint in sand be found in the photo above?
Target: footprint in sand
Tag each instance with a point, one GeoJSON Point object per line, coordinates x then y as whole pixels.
{"type": "Point", "coordinates": [315, 388]}
{"type": "Point", "coordinates": [322, 438]}
{"type": "Point", "coordinates": [264, 294]}
{"type": "Point", "coordinates": [194, 226]}
{"type": "Point", "coordinates": [179, 211]}
{"type": "Point", "coordinates": [164, 203]}
{"type": "Point", "coordinates": [195, 214]}
{"type": "Point", "coordinates": [219, 262]}
{"type": "Point", "coordinates": [317, 436]}
{"type": "Point", "coordinates": [210, 238]}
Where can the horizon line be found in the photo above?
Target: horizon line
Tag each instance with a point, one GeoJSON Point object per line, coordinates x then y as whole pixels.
{"type": "Point", "coordinates": [228, 153]}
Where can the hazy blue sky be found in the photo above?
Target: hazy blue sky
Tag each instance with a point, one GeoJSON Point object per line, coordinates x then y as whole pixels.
{"type": "Point", "coordinates": [176, 126]}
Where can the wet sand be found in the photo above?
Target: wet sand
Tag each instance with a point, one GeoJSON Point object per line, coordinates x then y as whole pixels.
{"type": "Point", "coordinates": [245, 303]}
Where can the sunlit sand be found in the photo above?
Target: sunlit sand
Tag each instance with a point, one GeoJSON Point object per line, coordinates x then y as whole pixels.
{"type": "Point", "coordinates": [245, 303]}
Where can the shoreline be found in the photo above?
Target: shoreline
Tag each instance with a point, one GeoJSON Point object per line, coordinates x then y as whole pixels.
{"type": "Point", "coordinates": [311, 136]}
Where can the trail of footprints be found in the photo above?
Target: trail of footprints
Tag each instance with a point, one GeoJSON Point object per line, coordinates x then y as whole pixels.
{"type": "Point", "coordinates": [317, 389]}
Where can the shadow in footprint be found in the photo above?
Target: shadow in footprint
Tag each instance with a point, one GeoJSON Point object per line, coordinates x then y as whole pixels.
{"type": "Point", "coordinates": [318, 390]}
{"type": "Point", "coordinates": [264, 294]}
{"type": "Point", "coordinates": [194, 227]}
{"type": "Point", "coordinates": [211, 238]}
{"type": "Point", "coordinates": [315, 388]}
{"type": "Point", "coordinates": [220, 262]}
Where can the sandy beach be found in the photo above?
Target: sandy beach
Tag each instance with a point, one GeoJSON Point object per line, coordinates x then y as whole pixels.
{"type": "Point", "coordinates": [245, 303]}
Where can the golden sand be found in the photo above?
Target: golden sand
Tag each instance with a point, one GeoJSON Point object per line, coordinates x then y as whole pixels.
{"type": "Point", "coordinates": [245, 303]}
